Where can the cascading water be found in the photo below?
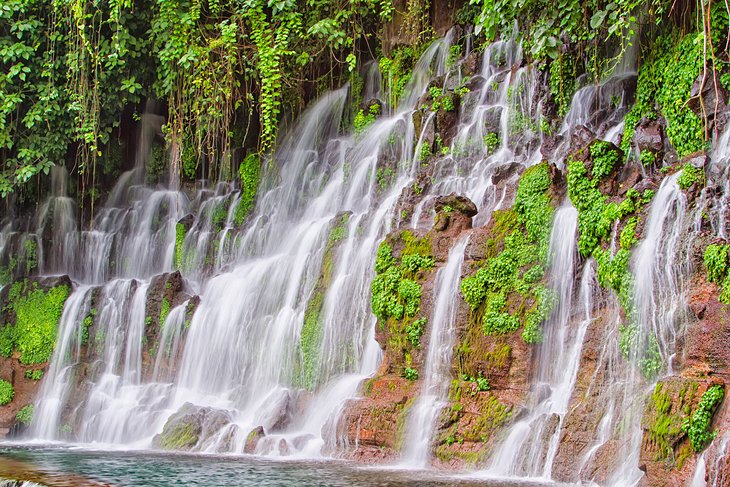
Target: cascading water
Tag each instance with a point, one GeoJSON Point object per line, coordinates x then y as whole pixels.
{"type": "Point", "coordinates": [282, 335]}
{"type": "Point", "coordinates": [649, 341]}
{"type": "Point", "coordinates": [245, 349]}
{"type": "Point", "coordinates": [436, 382]}
{"type": "Point", "coordinates": [497, 128]}
{"type": "Point", "coordinates": [530, 445]}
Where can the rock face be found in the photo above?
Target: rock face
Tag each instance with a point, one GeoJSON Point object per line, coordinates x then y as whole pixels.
{"type": "Point", "coordinates": [190, 427]}
{"type": "Point", "coordinates": [166, 292]}
{"type": "Point", "coordinates": [25, 375]}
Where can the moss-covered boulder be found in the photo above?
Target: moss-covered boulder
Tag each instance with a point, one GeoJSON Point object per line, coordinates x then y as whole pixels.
{"type": "Point", "coordinates": [190, 427]}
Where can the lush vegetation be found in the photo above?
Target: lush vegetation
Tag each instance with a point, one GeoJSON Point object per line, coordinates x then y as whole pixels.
{"type": "Point", "coordinates": [37, 313]}
{"type": "Point", "coordinates": [597, 217]}
{"type": "Point", "coordinates": [506, 291]}
{"type": "Point", "coordinates": [698, 425]}
{"type": "Point", "coordinates": [76, 72]}
{"type": "Point", "coordinates": [6, 392]}
{"type": "Point", "coordinates": [396, 294]}
{"type": "Point", "coordinates": [717, 264]}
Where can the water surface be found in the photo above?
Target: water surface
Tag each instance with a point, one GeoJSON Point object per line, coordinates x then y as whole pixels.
{"type": "Point", "coordinates": [64, 466]}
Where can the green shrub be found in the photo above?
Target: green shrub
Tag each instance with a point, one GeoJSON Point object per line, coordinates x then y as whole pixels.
{"type": "Point", "coordinates": [697, 426]}
{"type": "Point", "coordinates": [410, 373]}
{"type": "Point", "coordinates": [717, 260]}
{"type": "Point", "coordinates": [395, 291]}
{"type": "Point", "coordinates": [6, 392]}
{"type": "Point", "coordinates": [515, 272]}
{"type": "Point", "coordinates": [37, 315]}
{"type": "Point", "coordinates": [25, 415]}
{"type": "Point", "coordinates": [36, 374]}
{"type": "Point", "coordinates": [691, 175]}
{"type": "Point", "coordinates": [414, 331]}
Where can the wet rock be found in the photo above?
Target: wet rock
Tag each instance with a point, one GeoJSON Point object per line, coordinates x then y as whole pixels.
{"type": "Point", "coordinates": [645, 184]}
{"type": "Point", "coordinates": [628, 178]}
{"type": "Point", "coordinates": [453, 212]}
{"type": "Point", "coordinates": [278, 413]}
{"type": "Point", "coordinates": [706, 344]}
{"type": "Point", "coordinates": [581, 137]}
{"type": "Point", "coordinates": [698, 159]}
{"type": "Point", "coordinates": [191, 426]}
{"type": "Point", "coordinates": [371, 422]}
{"type": "Point", "coordinates": [506, 171]}
{"type": "Point", "coordinates": [301, 441]}
{"type": "Point", "coordinates": [649, 136]}
{"type": "Point", "coordinates": [187, 221]}
{"type": "Point", "coordinates": [253, 438]}
{"type": "Point", "coordinates": [458, 203]}
{"type": "Point", "coordinates": [493, 120]}
{"type": "Point", "coordinates": [471, 64]}
{"type": "Point", "coordinates": [707, 100]}
{"type": "Point", "coordinates": [541, 392]}
{"type": "Point", "coordinates": [447, 122]}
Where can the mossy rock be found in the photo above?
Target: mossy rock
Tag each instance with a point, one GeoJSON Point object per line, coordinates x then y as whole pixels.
{"type": "Point", "coordinates": [190, 427]}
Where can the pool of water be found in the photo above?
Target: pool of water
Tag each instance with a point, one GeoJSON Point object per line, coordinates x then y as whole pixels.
{"type": "Point", "coordinates": [70, 466]}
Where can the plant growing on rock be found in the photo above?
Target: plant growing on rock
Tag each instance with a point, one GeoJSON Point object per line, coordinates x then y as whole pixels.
{"type": "Point", "coordinates": [25, 414]}
{"type": "Point", "coordinates": [512, 273]}
{"type": "Point", "coordinates": [717, 264]}
{"type": "Point", "coordinates": [6, 392]}
{"type": "Point", "coordinates": [37, 315]}
{"type": "Point", "coordinates": [691, 175]}
{"type": "Point", "coordinates": [697, 426]}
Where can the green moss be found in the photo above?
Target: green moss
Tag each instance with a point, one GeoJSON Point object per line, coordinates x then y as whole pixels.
{"type": "Point", "coordinates": [312, 328]}
{"type": "Point", "coordinates": [698, 426]}
{"type": "Point", "coordinates": [179, 246]}
{"type": "Point", "coordinates": [250, 173]}
{"type": "Point", "coordinates": [25, 414]}
{"type": "Point", "coordinates": [6, 392]}
{"type": "Point", "coordinates": [663, 418]}
{"type": "Point", "coordinates": [37, 314]}
{"type": "Point", "coordinates": [178, 437]}
{"type": "Point", "coordinates": [478, 425]}
{"type": "Point", "coordinates": [164, 312]}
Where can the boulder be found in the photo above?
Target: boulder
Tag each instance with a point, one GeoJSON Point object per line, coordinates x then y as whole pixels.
{"type": "Point", "coordinates": [191, 426]}
{"type": "Point", "coordinates": [456, 202]}
{"type": "Point", "coordinates": [253, 438]}
{"type": "Point", "coordinates": [649, 136]}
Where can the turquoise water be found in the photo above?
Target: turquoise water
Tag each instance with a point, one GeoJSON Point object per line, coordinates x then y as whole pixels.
{"type": "Point", "coordinates": [69, 466]}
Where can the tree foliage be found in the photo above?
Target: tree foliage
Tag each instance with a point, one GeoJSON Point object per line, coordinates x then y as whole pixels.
{"type": "Point", "coordinates": [223, 68]}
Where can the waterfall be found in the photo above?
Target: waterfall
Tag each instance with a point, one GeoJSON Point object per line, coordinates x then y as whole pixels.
{"type": "Point", "coordinates": [497, 128]}
{"type": "Point", "coordinates": [272, 324]}
{"type": "Point", "coordinates": [657, 317]}
{"type": "Point", "coordinates": [243, 350]}
{"type": "Point", "coordinates": [531, 443]}
{"type": "Point", "coordinates": [435, 387]}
